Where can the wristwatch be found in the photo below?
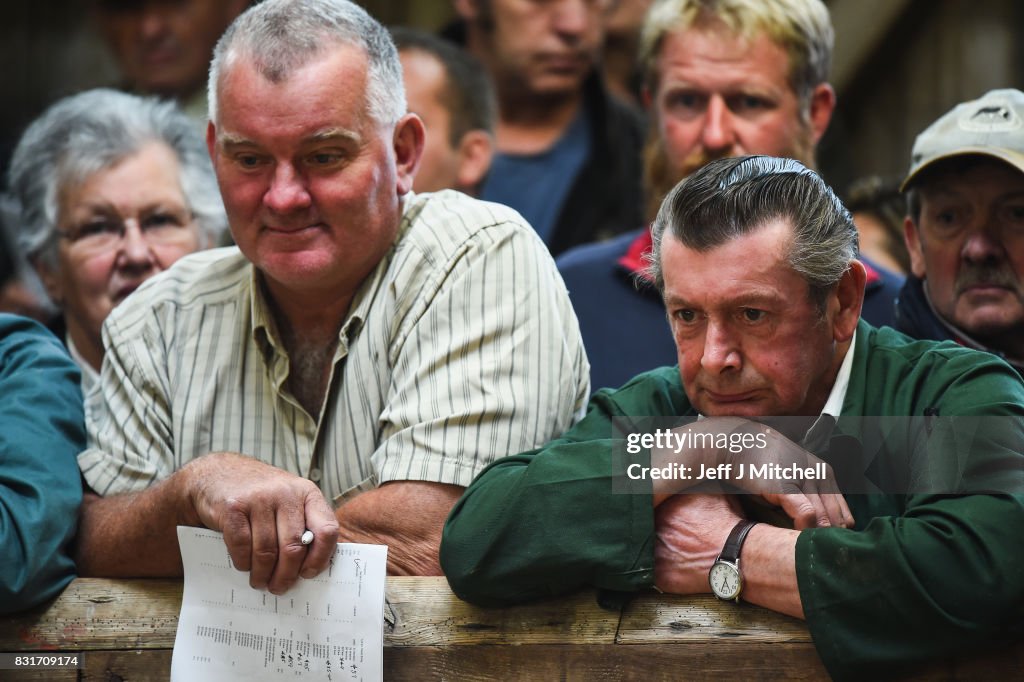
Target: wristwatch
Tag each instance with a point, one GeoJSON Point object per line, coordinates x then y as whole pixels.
{"type": "Point", "coordinates": [724, 576]}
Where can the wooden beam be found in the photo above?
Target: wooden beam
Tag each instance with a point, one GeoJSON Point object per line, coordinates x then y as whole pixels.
{"type": "Point", "coordinates": [124, 629]}
{"type": "Point", "coordinates": [860, 26]}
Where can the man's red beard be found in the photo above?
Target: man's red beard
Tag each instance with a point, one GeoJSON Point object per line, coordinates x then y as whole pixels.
{"type": "Point", "coordinates": [660, 177]}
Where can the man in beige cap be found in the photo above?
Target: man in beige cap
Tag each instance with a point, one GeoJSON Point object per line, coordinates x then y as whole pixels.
{"type": "Point", "coordinates": [965, 228]}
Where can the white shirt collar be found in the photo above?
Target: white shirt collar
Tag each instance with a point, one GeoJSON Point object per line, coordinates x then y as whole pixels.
{"type": "Point", "coordinates": [834, 404]}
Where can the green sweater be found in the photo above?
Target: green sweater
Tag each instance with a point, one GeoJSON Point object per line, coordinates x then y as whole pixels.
{"type": "Point", "coordinates": [919, 577]}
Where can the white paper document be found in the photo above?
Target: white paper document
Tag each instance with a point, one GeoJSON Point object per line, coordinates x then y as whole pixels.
{"type": "Point", "coordinates": [327, 628]}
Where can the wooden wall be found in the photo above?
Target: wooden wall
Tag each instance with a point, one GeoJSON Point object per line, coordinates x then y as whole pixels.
{"type": "Point", "coordinates": [934, 54]}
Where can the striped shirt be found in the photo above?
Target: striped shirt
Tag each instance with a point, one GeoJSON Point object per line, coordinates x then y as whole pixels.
{"type": "Point", "coordinates": [460, 347]}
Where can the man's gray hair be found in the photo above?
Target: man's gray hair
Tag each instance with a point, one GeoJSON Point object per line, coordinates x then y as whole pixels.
{"type": "Point", "coordinates": [729, 198]}
{"type": "Point", "coordinates": [280, 36]}
{"type": "Point", "coordinates": [81, 135]}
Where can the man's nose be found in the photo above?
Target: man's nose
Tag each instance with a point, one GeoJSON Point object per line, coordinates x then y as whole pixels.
{"type": "Point", "coordinates": [721, 352]}
{"type": "Point", "coordinates": [718, 133]}
{"type": "Point", "coordinates": [573, 17]}
{"type": "Point", "coordinates": [983, 243]}
{"type": "Point", "coordinates": [152, 22]}
{"type": "Point", "coordinates": [287, 191]}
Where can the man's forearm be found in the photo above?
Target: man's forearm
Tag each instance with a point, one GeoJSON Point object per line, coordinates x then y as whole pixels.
{"type": "Point", "coordinates": [134, 535]}
{"type": "Point", "coordinates": [768, 563]}
{"type": "Point", "coordinates": [407, 516]}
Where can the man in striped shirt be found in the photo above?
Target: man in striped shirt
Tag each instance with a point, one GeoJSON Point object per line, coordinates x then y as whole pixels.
{"type": "Point", "coordinates": [360, 356]}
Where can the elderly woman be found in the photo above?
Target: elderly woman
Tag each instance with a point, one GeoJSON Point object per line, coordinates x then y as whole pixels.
{"type": "Point", "coordinates": [113, 189]}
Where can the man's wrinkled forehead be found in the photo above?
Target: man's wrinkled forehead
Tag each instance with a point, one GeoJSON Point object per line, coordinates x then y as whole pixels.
{"type": "Point", "coordinates": [776, 251]}
{"type": "Point", "coordinates": [742, 36]}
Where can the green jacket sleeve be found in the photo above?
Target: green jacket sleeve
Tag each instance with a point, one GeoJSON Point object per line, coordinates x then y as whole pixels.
{"type": "Point", "coordinates": [932, 574]}
{"type": "Point", "coordinates": [41, 432]}
{"type": "Point", "coordinates": [546, 522]}
{"type": "Point", "coordinates": [944, 578]}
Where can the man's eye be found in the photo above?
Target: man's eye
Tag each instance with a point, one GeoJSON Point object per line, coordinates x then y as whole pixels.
{"type": "Point", "coordinates": [1014, 213]}
{"type": "Point", "coordinates": [685, 102]}
{"type": "Point", "coordinates": [754, 315]}
{"type": "Point", "coordinates": [247, 160]}
{"type": "Point", "coordinates": [946, 222]}
{"type": "Point", "coordinates": [741, 103]}
{"type": "Point", "coordinates": [686, 316]}
{"type": "Point", "coordinates": [324, 159]}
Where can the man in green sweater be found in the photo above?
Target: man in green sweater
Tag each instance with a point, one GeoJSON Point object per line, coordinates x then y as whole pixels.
{"type": "Point", "coordinates": [756, 260]}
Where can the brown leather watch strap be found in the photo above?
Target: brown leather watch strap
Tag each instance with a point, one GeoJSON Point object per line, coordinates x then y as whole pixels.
{"type": "Point", "coordinates": [733, 546]}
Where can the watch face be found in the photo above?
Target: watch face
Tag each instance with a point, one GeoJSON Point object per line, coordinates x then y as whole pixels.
{"type": "Point", "coordinates": [725, 580]}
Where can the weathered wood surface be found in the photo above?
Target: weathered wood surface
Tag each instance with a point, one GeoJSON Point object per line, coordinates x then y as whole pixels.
{"type": "Point", "coordinates": [95, 614]}
{"type": "Point", "coordinates": [126, 630]}
{"type": "Point", "coordinates": [426, 613]}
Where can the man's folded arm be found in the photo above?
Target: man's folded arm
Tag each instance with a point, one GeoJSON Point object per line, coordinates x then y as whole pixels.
{"type": "Point", "coordinates": [546, 522]}
{"type": "Point", "coordinates": [134, 534]}
{"type": "Point", "coordinates": [517, 536]}
{"type": "Point", "coordinates": [407, 516]}
{"type": "Point", "coordinates": [946, 574]}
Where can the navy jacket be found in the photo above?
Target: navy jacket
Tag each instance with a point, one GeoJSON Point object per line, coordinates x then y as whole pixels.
{"type": "Point", "coordinates": [914, 317]}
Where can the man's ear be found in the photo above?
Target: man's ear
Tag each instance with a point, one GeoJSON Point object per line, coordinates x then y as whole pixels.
{"type": "Point", "coordinates": [850, 299]}
{"type": "Point", "coordinates": [912, 237]}
{"type": "Point", "coordinates": [410, 136]}
{"type": "Point", "coordinates": [211, 142]}
{"type": "Point", "coordinates": [476, 151]}
{"type": "Point", "coordinates": [823, 103]}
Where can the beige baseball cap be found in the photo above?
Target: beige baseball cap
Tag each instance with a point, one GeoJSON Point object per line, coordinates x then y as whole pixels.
{"type": "Point", "coordinates": [992, 125]}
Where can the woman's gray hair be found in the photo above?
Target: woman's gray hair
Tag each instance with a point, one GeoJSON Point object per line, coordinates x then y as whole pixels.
{"type": "Point", "coordinates": [90, 132]}
{"type": "Point", "coordinates": [731, 197]}
{"type": "Point", "coordinates": [280, 36]}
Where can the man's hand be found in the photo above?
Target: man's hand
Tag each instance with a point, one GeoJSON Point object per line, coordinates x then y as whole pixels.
{"type": "Point", "coordinates": [808, 502]}
{"type": "Point", "coordinates": [691, 530]}
{"type": "Point", "coordinates": [263, 512]}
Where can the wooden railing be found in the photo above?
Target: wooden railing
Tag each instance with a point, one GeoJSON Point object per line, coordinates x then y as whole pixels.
{"type": "Point", "coordinates": [125, 630]}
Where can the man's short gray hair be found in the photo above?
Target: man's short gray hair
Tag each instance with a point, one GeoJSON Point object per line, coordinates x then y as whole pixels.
{"type": "Point", "coordinates": [280, 36]}
{"type": "Point", "coordinates": [729, 198]}
{"type": "Point", "coordinates": [81, 135]}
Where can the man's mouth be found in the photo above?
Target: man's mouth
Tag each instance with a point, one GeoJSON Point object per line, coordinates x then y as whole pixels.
{"type": "Point", "coordinates": [565, 62]}
{"type": "Point", "coordinates": [985, 289]}
{"type": "Point", "coordinates": [728, 397]}
{"type": "Point", "coordinates": [292, 229]}
{"type": "Point", "coordinates": [159, 55]}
